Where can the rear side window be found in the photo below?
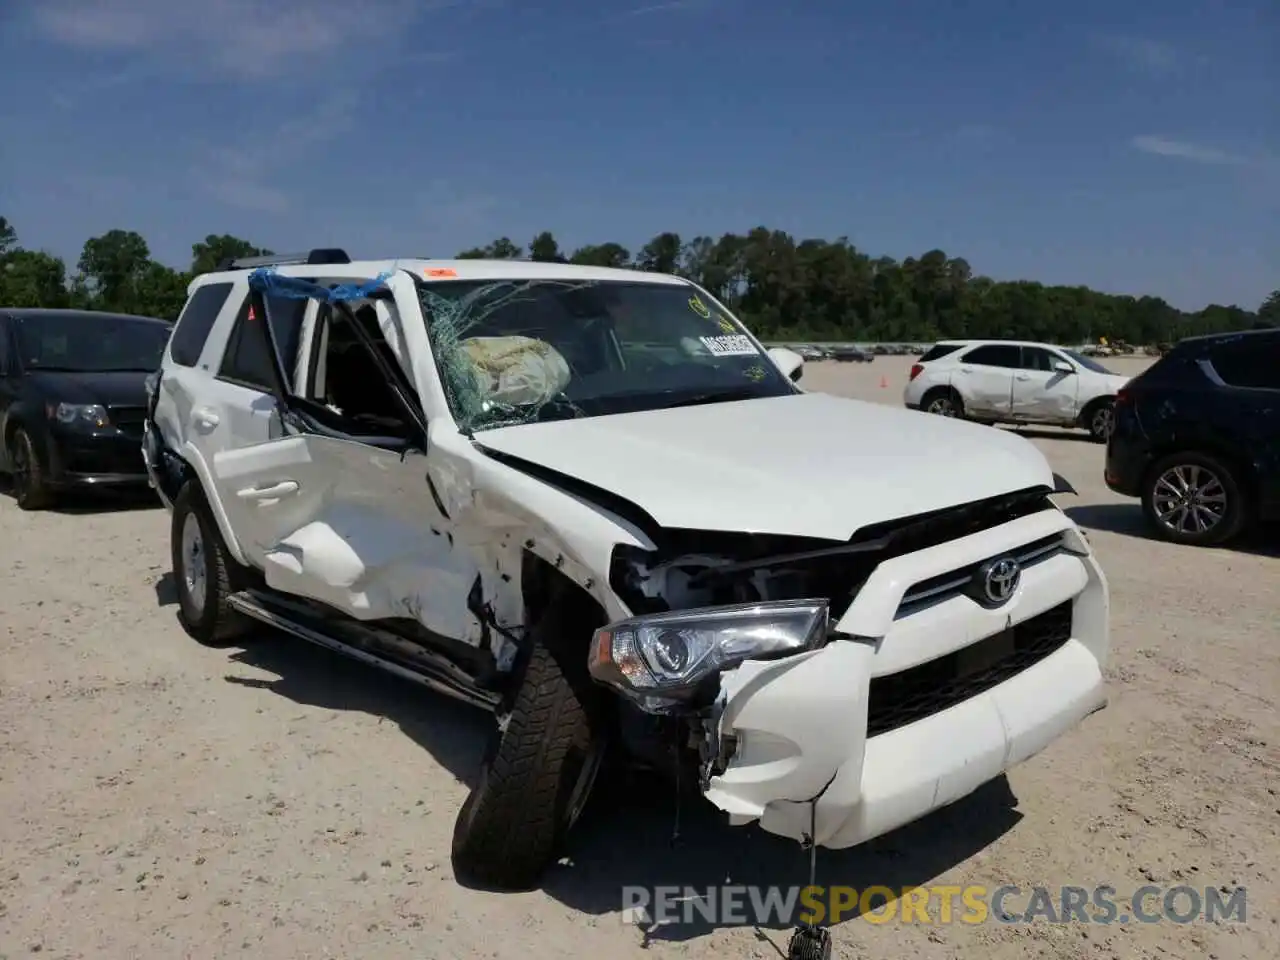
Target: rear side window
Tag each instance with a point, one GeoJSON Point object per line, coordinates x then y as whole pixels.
{"type": "Point", "coordinates": [247, 361]}
{"type": "Point", "coordinates": [939, 350]}
{"type": "Point", "coordinates": [994, 355]}
{"type": "Point", "coordinates": [1250, 362]}
{"type": "Point", "coordinates": [195, 322]}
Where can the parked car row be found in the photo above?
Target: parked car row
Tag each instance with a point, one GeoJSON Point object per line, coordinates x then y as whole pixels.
{"type": "Point", "coordinates": [1196, 437]}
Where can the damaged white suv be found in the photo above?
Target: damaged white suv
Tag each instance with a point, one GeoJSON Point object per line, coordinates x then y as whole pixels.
{"type": "Point", "coordinates": [590, 501]}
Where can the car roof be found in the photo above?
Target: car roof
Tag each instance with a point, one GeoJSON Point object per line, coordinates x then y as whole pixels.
{"type": "Point", "coordinates": [444, 271]}
{"type": "Point", "coordinates": [1001, 343]}
{"type": "Point", "coordinates": [1207, 339]}
{"type": "Point", "coordinates": [36, 313]}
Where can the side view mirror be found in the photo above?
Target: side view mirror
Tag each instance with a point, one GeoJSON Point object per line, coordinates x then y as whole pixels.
{"type": "Point", "coordinates": [788, 361]}
{"type": "Point", "coordinates": [1063, 367]}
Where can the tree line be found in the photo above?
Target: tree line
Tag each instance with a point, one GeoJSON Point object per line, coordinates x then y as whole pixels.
{"type": "Point", "coordinates": [783, 288]}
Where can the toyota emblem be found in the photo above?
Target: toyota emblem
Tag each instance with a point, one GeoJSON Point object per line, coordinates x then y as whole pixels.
{"type": "Point", "coordinates": [999, 579]}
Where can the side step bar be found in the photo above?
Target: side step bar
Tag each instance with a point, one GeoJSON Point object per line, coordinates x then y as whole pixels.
{"type": "Point", "coordinates": [253, 606]}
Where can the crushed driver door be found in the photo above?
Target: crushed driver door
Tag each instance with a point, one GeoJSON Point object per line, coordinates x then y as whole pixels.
{"type": "Point", "coordinates": [343, 517]}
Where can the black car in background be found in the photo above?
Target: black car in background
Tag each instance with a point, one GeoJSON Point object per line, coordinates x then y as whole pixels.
{"type": "Point", "coordinates": [73, 399]}
{"type": "Point", "coordinates": [1197, 437]}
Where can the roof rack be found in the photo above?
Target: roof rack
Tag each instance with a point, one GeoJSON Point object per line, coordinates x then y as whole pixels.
{"type": "Point", "coordinates": [320, 255]}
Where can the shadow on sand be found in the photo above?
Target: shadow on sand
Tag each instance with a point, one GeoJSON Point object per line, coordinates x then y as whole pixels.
{"type": "Point", "coordinates": [78, 502]}
{"type": "Point", "coordinates": [631, 834]}
{"type": "Point", "coordinates": [1128, 520]}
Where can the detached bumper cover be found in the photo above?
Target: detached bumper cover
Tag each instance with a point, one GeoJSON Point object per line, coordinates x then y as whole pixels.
{"type": "Point", "coordinates": [952, 692]}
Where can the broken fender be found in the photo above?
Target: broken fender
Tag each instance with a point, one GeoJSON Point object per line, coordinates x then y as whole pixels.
{"type": "Point", "coordinates": [796, 721]}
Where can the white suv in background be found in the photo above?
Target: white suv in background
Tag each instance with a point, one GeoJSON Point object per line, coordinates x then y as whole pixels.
{"type": "Point", "coordinates": [1011, 381]}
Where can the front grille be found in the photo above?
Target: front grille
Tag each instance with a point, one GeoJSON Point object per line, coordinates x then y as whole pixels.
{"type": "Point", "coordinates": [128, 420]}
{"type": "Point", "coordinates": [903, 698]}
{"type": "Point", "coordinates": [926, 593]}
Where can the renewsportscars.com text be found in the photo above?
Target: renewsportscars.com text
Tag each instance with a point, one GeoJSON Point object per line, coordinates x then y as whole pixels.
{"type": "Point", "coordinates": [932, 905]}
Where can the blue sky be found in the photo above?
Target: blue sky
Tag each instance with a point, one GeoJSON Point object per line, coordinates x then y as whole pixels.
{"type": "Point", "coordinates": [1132, 146]}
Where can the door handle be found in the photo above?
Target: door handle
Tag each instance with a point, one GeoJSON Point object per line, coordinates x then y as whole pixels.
{"type": "Point", "coordinates": [206, 417]}
{"type": "Point", "coordinates": [1023, 376]}
{"type": "Point", "coordinates": [282, 489]}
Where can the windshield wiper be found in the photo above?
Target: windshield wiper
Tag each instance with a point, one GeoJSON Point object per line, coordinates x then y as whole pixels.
{"type": "Point", "coordinates": [711, 396]}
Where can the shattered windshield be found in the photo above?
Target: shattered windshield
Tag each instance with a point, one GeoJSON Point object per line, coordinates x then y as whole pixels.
{"type": "Point", "coordinates": [519, 351]}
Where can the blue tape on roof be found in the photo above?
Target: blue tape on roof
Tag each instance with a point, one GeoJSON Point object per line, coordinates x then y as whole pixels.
{"type": "Point", "coordinates": [267, 281]}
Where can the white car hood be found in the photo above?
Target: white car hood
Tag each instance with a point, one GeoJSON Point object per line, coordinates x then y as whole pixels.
{"type": "Point", "coordinates": [810, 465]}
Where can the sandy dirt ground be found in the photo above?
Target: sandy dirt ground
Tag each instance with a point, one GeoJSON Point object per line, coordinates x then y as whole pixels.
{"type": "Point", "coordinates": [158, 799]}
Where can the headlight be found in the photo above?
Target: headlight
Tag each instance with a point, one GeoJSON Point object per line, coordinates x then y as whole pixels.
{"type": "Point", "coordinates": [87, 413]}
{"type": "Point", "coordinates": [665, 657]}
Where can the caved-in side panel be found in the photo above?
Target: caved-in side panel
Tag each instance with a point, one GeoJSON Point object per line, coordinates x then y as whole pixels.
{"type": "Point", "coordinates": [354, 527]}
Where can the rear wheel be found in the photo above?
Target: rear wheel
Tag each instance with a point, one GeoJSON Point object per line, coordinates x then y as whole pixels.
{"type": "Point", "coordinates": [30, 489]}
{"type": "Point", "coordinates": [204, 572]}
{"type": "Point", "coordinates": [1099, 420]}
{"type": "Point", "coordinates": [538, 771]}
{"type": "Point", "coordinates": [944, 403]}
{"type": "Point", "coordinates": [1194, 498]}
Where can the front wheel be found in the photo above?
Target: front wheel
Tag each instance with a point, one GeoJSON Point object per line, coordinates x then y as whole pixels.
{"type": "Point", "coordinates": [30, 489]}
{"type": "Point", "coordinates": [1194, 499]}
{"type": "Point", "coordinates": [538, 771]}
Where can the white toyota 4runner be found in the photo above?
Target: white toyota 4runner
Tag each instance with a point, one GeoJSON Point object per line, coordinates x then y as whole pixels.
{"type": "Point", "coordinates": [590, 501]}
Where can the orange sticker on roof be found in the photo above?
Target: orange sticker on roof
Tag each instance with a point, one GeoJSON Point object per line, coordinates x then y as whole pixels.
{"type": "Point", "coordinates": [439, 272]}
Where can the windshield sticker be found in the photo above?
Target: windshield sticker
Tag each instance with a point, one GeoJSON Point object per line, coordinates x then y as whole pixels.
{"type": "Point", "coordinates": [724, 324]}
{"type": "Point", "coordinates": [700, 308]}
{"type": "Point", "coordinates": [755, 373]}
{"type": "Point", "coordinates": [730, 346]}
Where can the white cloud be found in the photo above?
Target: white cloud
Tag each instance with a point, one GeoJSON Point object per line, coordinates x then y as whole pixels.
{"type": "Point", "coordinates": [243, 176]}
{"type": "Point", "coordinates": [248, 39]}
{"type": "Point", "coordinates": [1142, 53]}
{"type": "Point", "coordinates": [1184, 150]}
{"type": "Point", "coordinates": [669, 7]}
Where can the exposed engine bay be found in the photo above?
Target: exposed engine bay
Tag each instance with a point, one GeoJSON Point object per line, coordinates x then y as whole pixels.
{"type": "Point", "coordinates": [698, 569]}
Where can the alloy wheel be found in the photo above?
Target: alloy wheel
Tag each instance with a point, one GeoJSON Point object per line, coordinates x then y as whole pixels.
{"type": "Point", "coordinates": [1102, 422]}
{"type": "Point", "coordinates": [1189, 499]}
{"type": "Point", "coordinates": [195, 576]}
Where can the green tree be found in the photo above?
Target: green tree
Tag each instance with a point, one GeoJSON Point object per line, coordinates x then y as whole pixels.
{"type": "Point", "coordinates": [602, 255]}
{"type": "Point", "coordinates": [32, 278]}
{"type": "Point", "coordinates": [112, 266]}
{"type": "Point", "coordinates": [8, 237]}
{"type": "Point", "coordinates": [206, 255]}
{"type": "Point", "coordinates": [545, 249]}
{"type": "Point", "coordinates": [1269, 312]}
{"type": "Point", "coordinates": [661, 254]}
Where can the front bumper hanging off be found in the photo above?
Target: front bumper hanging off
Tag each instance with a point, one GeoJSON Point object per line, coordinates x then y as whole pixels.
{"type": "Point", "coordinates": [912, 707]}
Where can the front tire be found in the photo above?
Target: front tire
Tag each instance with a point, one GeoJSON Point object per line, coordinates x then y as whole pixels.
{"type": "Point", "coordinates": [30, 489]}
{"type": "Point", "coordinates": [204, 572]}
{"type": "Point", "coordinates": [1194, 499]}
{"type": "Point", "coordinates": [538, 771]}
